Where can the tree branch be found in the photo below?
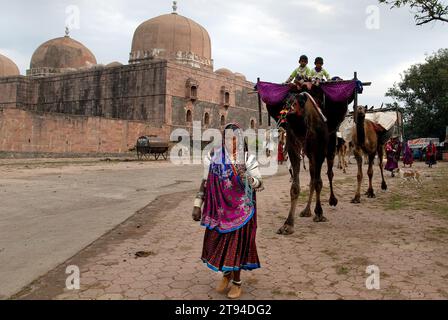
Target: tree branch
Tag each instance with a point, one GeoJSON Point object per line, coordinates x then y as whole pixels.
{"type": "Point", "coordinates": [427, 10]}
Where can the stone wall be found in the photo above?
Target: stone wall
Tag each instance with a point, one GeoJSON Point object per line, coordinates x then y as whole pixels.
{"type": "Point", "coordinates": [134, 92]}
{"type": "Point", "coordinates": [28, 131]}
{"type": "Point", "coordinates": [104, 110]}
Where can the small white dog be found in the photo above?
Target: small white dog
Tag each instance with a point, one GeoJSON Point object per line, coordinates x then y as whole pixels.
{"type": "Point", "coordinates": [409, 174]}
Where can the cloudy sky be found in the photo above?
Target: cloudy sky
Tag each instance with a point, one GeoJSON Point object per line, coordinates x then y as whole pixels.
{"type": "Point", "coordinates": [259, 38]}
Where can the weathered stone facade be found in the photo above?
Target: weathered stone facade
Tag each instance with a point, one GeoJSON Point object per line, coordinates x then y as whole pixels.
{"type": "Point", "coordinates": [68, 104]}
{"type": "Point", "coordinates": [106, 109]}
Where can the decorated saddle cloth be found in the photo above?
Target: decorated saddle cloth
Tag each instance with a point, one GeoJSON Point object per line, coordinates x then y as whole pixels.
{"type": "Point", "coordinates": [229, 202]}
{"type": "Point", "coordinates": [336, 91]}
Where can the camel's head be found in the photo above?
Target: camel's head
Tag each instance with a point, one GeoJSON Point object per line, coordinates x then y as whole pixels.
{"type": "Point", "coordinates": [361, 112]}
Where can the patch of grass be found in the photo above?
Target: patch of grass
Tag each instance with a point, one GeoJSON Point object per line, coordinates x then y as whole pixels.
{"type": "Point", "coordinates": [342, 270]}
{"type": "Point", "coordinates": [429, 197]}
{"type": "Point", "coordinates": [443, 293]}
{"type": "Point", "coordinates": [276, 292]}
{"type": "Point", "coordinates": [392, 291]}
{"type": "Point", "coordinates": [395, 202]}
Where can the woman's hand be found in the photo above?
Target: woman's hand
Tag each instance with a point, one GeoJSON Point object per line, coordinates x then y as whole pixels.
{"type": "Point", "coordinates": [241, 170]}
{"type": "Point", "coordinates": [197, 213]}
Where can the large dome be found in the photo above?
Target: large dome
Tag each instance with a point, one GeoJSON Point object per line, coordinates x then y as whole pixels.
{"type": "Point", "coordinates": [172, 37]}
{"type": "Point", "coordinates": [7, 67]}
{"type": "Point", "coordinates": [61, 54]}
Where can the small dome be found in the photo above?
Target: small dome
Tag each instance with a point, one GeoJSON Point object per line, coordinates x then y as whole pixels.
{"type": "Point", "coordinates": [114, 64]}
{"type": "Point", "coordinates": [7, 67]}
{"type": "Point", "coordinates": [62, 53]}
{"type": "Point", "coordinates": [172, 37]}
{"type": "Point", "coordinates": [224, 72]}
{"type": "Point", "coordinates": [240, 76]}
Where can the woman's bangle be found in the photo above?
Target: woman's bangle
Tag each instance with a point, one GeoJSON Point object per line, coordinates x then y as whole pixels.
{"type": "Point", "coordinates": [198, 203]}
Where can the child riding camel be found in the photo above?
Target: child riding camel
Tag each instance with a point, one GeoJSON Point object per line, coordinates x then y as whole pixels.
{"type": "Point", "coordinates": [302, 73]}
{"type": "Point", "coordinates": [319, 74]}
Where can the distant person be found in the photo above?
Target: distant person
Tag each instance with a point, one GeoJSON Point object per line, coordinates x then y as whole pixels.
{"type": "Point", "coordinates": [281, 146]}
{"type": "Point", "coordinates": [393, 151]}
{"type": "Point", "coordinates": [408, 157]}
{"type": "Point", "coordinates": [431, 153]}
{"type": "Point", "coordinates": [302, 73]}
{"type": "Point", "coordinates": [318, 73]}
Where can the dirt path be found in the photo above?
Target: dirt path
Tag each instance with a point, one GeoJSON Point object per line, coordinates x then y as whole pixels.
{"type": "Point", "coordinates": [404, 232]}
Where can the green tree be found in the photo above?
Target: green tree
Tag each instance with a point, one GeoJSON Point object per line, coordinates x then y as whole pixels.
{"type": "Point", "coordinates": [424, 10]}
{"type": "Point", "coordinates": [423, 92]}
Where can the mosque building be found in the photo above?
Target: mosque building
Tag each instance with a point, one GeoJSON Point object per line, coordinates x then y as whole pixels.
{"type": "Point", "coordinates": [69, 104]}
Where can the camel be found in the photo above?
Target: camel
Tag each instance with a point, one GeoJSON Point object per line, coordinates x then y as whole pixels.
{"type": "Point", "coordinates": [342, 149]}
{"type": "Point", "coordinates": [368, 138]}
{"type": "Point", "coordinates": [314, 131]}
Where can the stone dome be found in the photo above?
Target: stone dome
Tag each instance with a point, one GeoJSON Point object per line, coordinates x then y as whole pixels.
{"type": "Point", "coordinates": [240, 76]}
{"type": "Point", "coordinates": [7, 67]}
{"type": "Point", "coordinates": [225, 72]}
{"type": "Point", "coordinates": [61, 53]}
{"type": "Point", "coordinates": [172, 37]}
{"type": "Point", "coordinates": [114, 64]}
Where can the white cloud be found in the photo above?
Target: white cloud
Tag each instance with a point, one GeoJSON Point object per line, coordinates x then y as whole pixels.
{"type": "Point", "coordinates": [321, 8]}
{"type": "Point", "coordinates": [260, 38]}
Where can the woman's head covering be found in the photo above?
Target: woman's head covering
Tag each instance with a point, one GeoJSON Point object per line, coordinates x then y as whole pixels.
{"type": "Point", "coordinates": [237, 132]}
{"type": "Point", "coordinates": [228, 205]}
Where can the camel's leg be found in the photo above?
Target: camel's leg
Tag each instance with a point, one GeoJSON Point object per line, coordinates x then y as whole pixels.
{"type": "Point", "coordinates": [340, 165]}
{"type": "Point", "coordinates": [307, 211]}
{"type": "Point", "coordinates": [319, 213]}
{"type": "Point", "coordinates": [330, 163]}
{"type": "Point", "coordinates": [304, 163]}
{"type": "Point", "coordinates": [344, 160]}
{"type": "Point", "coordinates": [288, 227]}
{"type": "Point", "coordinates": [359, 160]}
{"type": "Point", "coordinates": [370, 193]}
{"type": "Point", "coordinates": [380, 156]}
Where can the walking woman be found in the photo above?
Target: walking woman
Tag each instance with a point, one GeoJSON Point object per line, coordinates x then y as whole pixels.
{"type": "Point", "coordinates": [408, 156]}
{"type": "Point", "coordinates": [228, 197]}
{"type": "Point", "coordinates": [393, 151]}
{"type": "Point", "coordinates": [431, 154]}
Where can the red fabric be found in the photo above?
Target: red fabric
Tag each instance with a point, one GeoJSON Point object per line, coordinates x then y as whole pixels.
{"type": "Point", "coordinates": [281, 156]}
{"type": "Point", "coordinates": [236, 250]}
{"type": "Point", "coordinates": [431, 150]}
{"type": "Point", "coordinates": [378, 128]}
